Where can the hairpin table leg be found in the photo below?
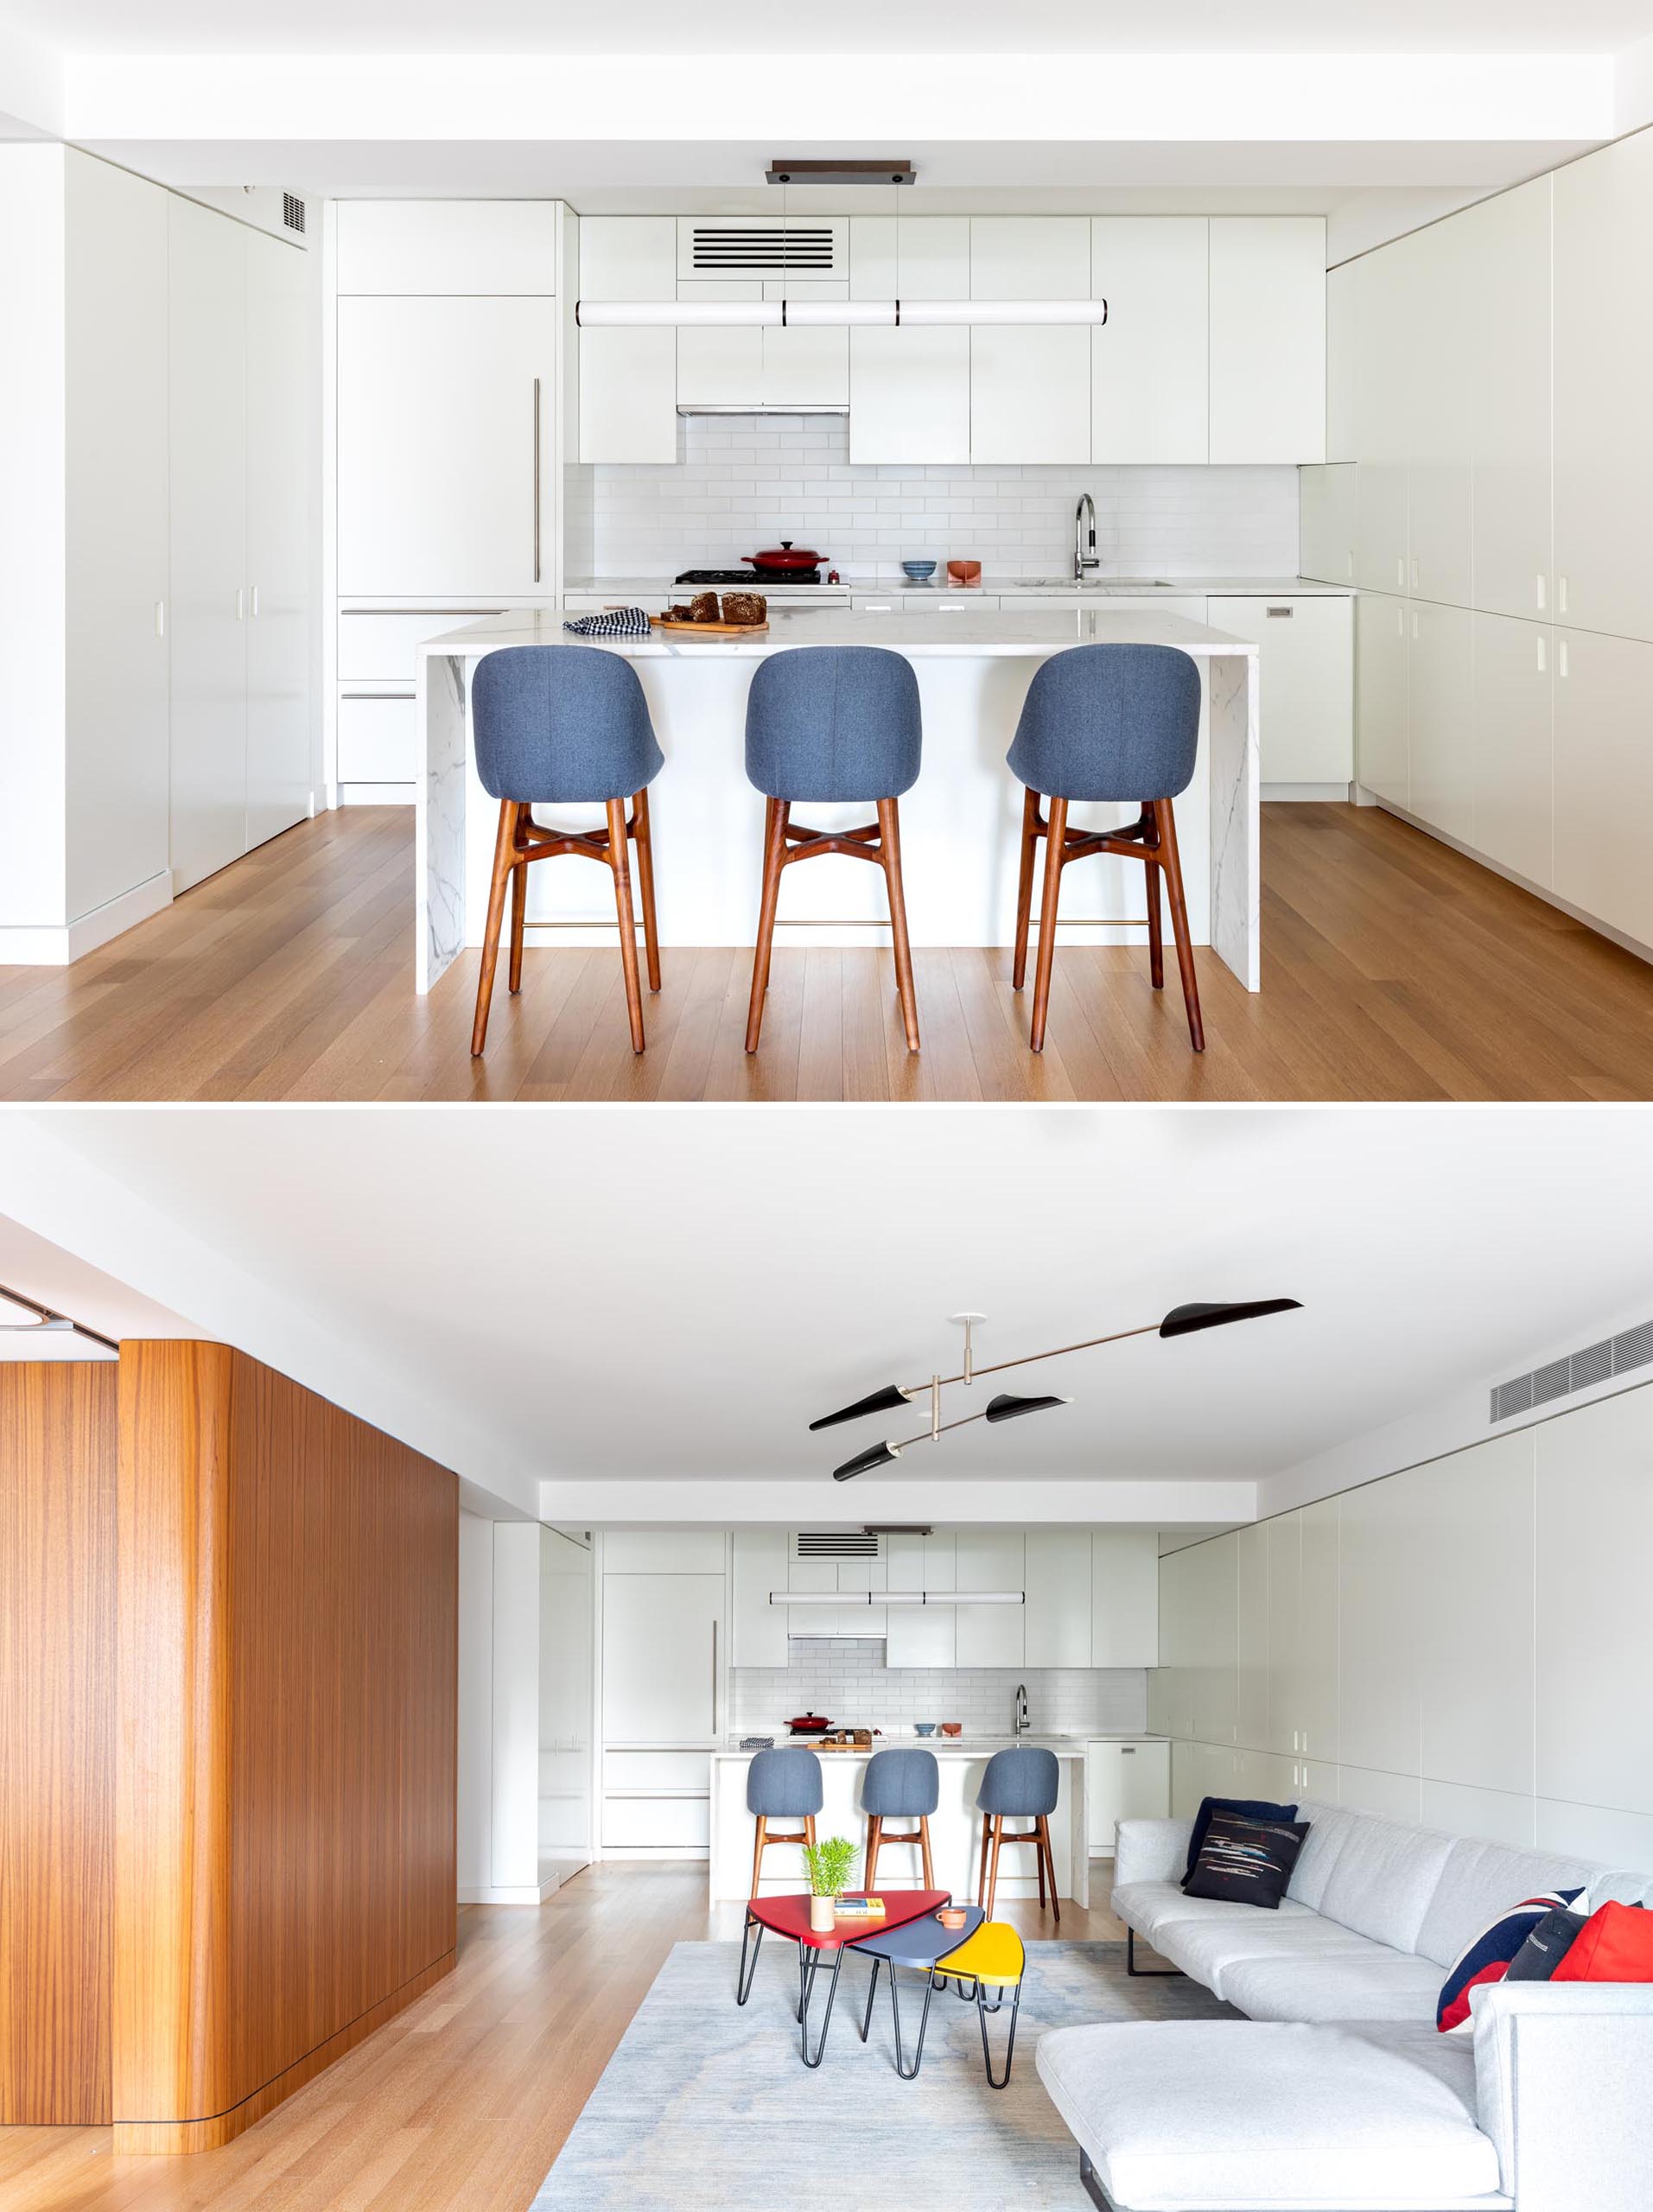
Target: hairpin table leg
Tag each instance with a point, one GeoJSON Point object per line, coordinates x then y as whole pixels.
{"type": "Point", "coordinates": [743, 1981]}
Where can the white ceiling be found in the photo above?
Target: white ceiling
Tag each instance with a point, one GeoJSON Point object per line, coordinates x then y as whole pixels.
{"type": "Point", "coordinates": [888, 25]}
{"type": "Point", "coordinates": [620, 1293]}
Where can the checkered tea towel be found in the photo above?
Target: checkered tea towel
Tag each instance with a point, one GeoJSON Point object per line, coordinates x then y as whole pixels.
{"type": "Point", "coordinates": [616, 622]}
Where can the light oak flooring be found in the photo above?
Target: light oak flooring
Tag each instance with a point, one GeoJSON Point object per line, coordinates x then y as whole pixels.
{"type": "Point", "coordinates": [463, 2101]}
{"type": "Point", "coordinates": [1392, 968]}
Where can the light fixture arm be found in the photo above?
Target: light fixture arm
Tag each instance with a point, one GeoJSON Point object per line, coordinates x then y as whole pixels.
{"type": "Point", "coordinates": [49, 1318]}
{"type": "Point", "coordinates": [969, 1372]}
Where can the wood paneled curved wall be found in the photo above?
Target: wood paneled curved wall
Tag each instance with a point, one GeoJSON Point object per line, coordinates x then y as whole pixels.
{"type": "Point", "coordinates": [276, 1829]}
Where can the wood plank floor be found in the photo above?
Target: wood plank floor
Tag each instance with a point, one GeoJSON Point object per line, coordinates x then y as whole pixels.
{"type": "Point", "coordinates": [461, 2102]}
{"type": "Point", "coordinates": [1392, 968]}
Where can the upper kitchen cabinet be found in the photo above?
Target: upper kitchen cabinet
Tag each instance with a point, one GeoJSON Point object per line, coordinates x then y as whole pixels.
{"type": "Point", "coordinates": [1125, 1598]}
{"type": "Point", "coordinates": [1057, 1631]}
{"type": "Point", "coordinates": [1030, 385]}
{"type": "Point", "coordinates": [758, 1569]}
{"type": "Point", "coordinates": [1267, 338]}
{"type": "Point", "coordinates": [1502, 264]}
{"type": "Point", "coordinates": [805, 368]}
{"type": "Point", "coordinates": [1342, 356]}
{"type": "Point", "coordinates": [1441, 401]}
{"type": "Point", "coordinates": [438, 246]}
{"type": "Point", "coordinates": [1604, 372]}
{"type": "Point", "coordinates": [910, 386]}
{"type": "Point", "coordinates": [921, 1636]}
{"type": "Point", "coordinates": [990, 1636]}
{"type": "Point", "coordinates": [1150, 361]}
{"type": "Point", "coordinates": [719, 364]}
{"type": "Point", "coordinates": [628, 379]}
{"type": "Point", "coordinates": [1381, 407]}
{"type": "Point", "coordinates": [444, 441]}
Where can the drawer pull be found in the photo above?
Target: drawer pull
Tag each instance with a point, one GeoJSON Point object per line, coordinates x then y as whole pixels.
{"type": "Point", "coordinates": [1281, 613]}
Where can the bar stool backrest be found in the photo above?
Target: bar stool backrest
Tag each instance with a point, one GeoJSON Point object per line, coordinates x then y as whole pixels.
{"type": "Point", "coordinates": [561, 726]}
{"type": "Point", "coordinates": [828, 722]}
{"type": "Point", "coordinates": [900, 1785]}
{"type": "Point", "coordinates": [1109, 722]}
{"type": "Point", "coordinates": [784, 1784]}
{"type": "Point", "coordinates": [1021, 1783]}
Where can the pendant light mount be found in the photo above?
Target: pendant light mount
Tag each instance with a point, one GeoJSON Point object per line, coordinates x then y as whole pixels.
{"type": "Point", "coordinates": [780, 171]}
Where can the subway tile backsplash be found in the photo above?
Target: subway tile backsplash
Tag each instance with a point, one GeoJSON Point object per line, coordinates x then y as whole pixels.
{"type": "Point", "coordinates": [845, 1678]}
{"type": "Point", "coordinates": [746, 481]}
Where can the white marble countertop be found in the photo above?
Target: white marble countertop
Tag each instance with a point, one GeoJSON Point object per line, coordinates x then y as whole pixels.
{"type": "Point", "coordinates": [986, 635]}
{"type": "Point", "coordinates": [944, 1747]}
{"type": "Point", "coordinates": [999, 587]}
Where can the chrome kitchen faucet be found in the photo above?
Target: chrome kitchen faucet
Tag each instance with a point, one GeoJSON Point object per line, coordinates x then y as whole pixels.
{"type": "Point", "coordinates": [1022, 1722]}
{"type": "Point", "coordinates": [1084, 538]}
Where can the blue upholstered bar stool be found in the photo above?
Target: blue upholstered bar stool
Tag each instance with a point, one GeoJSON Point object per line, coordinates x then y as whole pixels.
{"type": "Point", "coordinates": [565, 725]}
{"type": "Point", "coordinates": [1019, 1784]}
{"type": "Point", "coordinates": [901, 1786]}
{"type": "Point", "coordinates": [827, 724]}
{"type": "Point", "coordinates": [1118, 723]}
{"type": "Point", "coordinates": [783, 1785]}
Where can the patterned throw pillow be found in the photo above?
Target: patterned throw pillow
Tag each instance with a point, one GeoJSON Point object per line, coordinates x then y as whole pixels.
{"type": "Point", "coordinates": [1246, 1861]}
{"type": "Point", "coordinates": [1548, 1944]}
{"type": "Point", "coordinates": [1487, 1957]}
{"type": "Point", "coordinates": [1256, 1808]}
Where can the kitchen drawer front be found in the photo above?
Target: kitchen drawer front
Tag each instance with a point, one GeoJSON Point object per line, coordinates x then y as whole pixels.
{"type": "Point", "coordinates": [673, 1771]}
{"type": "Point", "coordinates": [378, 738]}
{"type": "Point", "coordinates": [932, 602]}
{"type": "Point", "coordinates": [380, 647]}
{"type": "Point", "coordinates": [657, 1822]}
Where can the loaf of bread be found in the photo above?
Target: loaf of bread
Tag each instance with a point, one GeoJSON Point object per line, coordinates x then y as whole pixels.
{"type": "Point", "coordinates": [702, 607]}
{"type": "Point", "coordinates": [677, 615]}
{"type": "Point", "coordinates": [749, 608]}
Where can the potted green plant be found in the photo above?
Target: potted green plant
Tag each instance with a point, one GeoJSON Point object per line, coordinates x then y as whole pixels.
{"type": "Point", "coordinates": [829, 1866]}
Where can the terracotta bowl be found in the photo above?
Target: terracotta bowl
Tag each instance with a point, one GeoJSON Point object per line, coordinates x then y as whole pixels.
{"type": "Point", "coordinates": [952, 1728]}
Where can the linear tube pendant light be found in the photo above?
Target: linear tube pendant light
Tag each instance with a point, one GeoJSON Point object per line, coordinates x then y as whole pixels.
{"type": "Point", "coordinates": [826, 314]}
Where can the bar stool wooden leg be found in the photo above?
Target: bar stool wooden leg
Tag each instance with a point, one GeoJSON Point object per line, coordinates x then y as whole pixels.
{"type": "Point", "coordinates": [645, 844]}
{"type": "Point", "coordinates": [774, 858]}
{"type": "Point", "coordinates": [518, 915]}
{"type": "Point", "coordinates": [1055, 839]}
{"type": "Point", "coordinates": [889, 840]}
{"type": "Point", "coordinates": [1025, 885]}
{"type": "Point", "coordinates": [504, 845]}
{"type": "Point", "coordinates": [981, 1871]}
{"type": "Point", "coordinates": [757, 1853]}
{"type": "Point", "coordinates": [1048, 1858]}
{"type": "Point", "coordinates": [1155, 916]}
{"type": "Point", "coordinates": [1038, 1862]}
{"type": "Point", "coordinates": [924, 1845]}
{"type": "Point", "coordinates": [992, 1871]}
{"type": "Point", "coordinates": [619, 860]}
{"type": "Point", "coordinates": [1171, 861]}
{"type": "Point", "coordinates": [875, 1836]}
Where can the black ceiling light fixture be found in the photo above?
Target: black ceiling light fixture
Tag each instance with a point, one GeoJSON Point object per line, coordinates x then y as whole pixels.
{"type": "Point", "coordinates": [1180, 1321]}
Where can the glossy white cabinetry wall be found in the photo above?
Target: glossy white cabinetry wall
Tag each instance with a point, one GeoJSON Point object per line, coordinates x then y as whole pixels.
{"type": "Point", "coordinates": [757, 1629]}
{"type": "Point", "coordinates": [910, 387]}
{"type": "Point", "coordinates": [438, 247]}
{"type": "Point", "coordinates": [1150, 363]}
{"type": "Point", "coordinates": [1502, 260]}
{"type": "Point", "coordinates": [1056, 1630]}
{"type": "Point", "coordinates": [1267, 338]}
{"type": "Point", "coordinates": [1603, 779]}
{"type": "Point", "coordinates": [628, 379]}
{"type": "Point", "coordinates": [922, 1636]}
{"type": "Point", "coordinates": [1514, 677]}
{"type": "Point", "coordinates": [1326, 509]}
{"type": "Point", "coordinates": [1440, 729]}
{"type": "Point", "coordinates": [1125, 1598]}
{"type": "Point", "coordinates": [990, 1636]}
{"type": "Point", "coordinates": [665, 1659]}
{"type": "Point", "coordinates": [283, 511]}
{"type": "Point", "coordinates": [1124, 1782]}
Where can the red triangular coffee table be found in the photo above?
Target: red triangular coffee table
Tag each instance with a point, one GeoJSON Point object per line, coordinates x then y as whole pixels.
{"type": "Point", "coordinates": [790, 1917]}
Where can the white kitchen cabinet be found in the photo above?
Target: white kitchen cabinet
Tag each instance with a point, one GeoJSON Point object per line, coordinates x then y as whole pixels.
{"type": "Point", "coordinates": [208, 473]}
{"type": "Point", "coordinates": [1603, 779]}
{"type": "Point", "coordinates": [1213, 1689]}
{"type": "Point", "coordinates": [1056, 1628]}
{"type": "Point", "coordinates": [1179, 1639]}
{"type": "Point", "coordinates": [114, 370]}
{"type": "Point", "coordinates": [1306, 684]}
{"type": "Point", "coordinates": [1379, 1628]}
{"type": "Point", "coordinates": [1603, 371]}
{"type": "Point", "coordinates": [1124, 1782]}
{"type": "Point", "coordinates": [757, 1629]}
{"type": "Point", "coordinates": [910, 257]}
{"type": "Point", "coordinates": [282, 435]}
{"type": "Point", "coordinates": [1301, 1612]}
{"type": "Point", "coordinates": [921, 1636]}
{"type": "Point", "coordinates": [1327, 506]}
{"type": "Point", "coordinates": [657, 1823]}
{"type": "Point", "coordinates": [1440, 710]}
{"type": "Point", "coordinates": [1342, 362]}
{"type": "Point", "coordinates": [1382, 761]}
{"type": "Point", "coordinates": [661, 1659]}
{"type": "Point", "coordinates": [718, 366]}
{"type": "Point", "coordinates": [1030, 393]}
{"type": "Point", "coordinates": [1030, 257]}
{"type": "Point", "coordinates": [662, 1551]}
{"type": "Point", "coordinates": [445, 451]}
{"type": "Point", "coordinates": [377, 738]}
{"type": "Point", "coordinates": [990, 1636]}
{"type": "Point", "coordinates": [1513, 810]}
{"type": "Point", "coordinates": [1150, 374]}
{"type": "Point", "coordinates": [1283, 1539]}
{"type": "Point", "coordinates": [802, 367]}
{"type": "Point", "coordinates": [1267, 338]}
{"type": "Point", "coordinates": [1501, 262]}
{"type": "Point", "coordinates": [1125, 1598]}
{"type": "Point", "coordinates": [1476, 1692]}
{"type": "Point", "coordinates": [1382, 412]}
{"type": "Point", "coordinates": [1441, 401]}
{"type": "Point", "coordinates": [628, 379]}
{"type": "Point", "coordinates": [1251, 1637]}
{"type": "Point", "coordinates": [910, 394]}
{"type": "Point", "coordinates": [438, 246]}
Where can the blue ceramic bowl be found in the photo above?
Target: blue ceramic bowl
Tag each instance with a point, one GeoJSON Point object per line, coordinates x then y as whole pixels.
{"type": "Point", "coordinates": [920, 571]}
{"type": "Point", "coordinates": [923, 1727]}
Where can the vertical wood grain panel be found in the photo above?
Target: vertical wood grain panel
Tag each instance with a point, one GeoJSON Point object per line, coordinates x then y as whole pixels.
{"type": "Point", "coordinates": [57, 1564]}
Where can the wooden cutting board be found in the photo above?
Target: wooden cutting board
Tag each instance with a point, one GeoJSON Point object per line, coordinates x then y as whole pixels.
{"type": "Point", "coordinates": [708, 629]}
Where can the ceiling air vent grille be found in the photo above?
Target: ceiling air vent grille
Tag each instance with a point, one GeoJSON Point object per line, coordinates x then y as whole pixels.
{"type": "Point", "coordinates": [292, 211]}
{"type": "Point", "coordinates": [765, 250]}
{"type": "Point", "coordinates": [833, 1543]}
{"type": "Point", "coordinates": [1597, 1363]}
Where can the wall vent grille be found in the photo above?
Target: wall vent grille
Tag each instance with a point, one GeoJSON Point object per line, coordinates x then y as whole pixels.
{"type": "Point", "coordinates": [1597, 1363]}
{"type": "Point", "coordinates": [765, 250]}
{"type": "Point", "coordinates": [834, 1544]}
{"type": "Point", "coordinates": [292, 211]}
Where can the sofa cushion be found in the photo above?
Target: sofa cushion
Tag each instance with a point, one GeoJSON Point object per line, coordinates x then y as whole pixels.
{"type": "Point", "coordinates": [1149, 1906]}
{"type": "Point", "coordinates": [1383, 1879]}
{"type": "Point", "coordinates": [1489, 1954]}
{"type": "Point", "coordinates": [1207, 1949]}
{"type": "Point", "coordinates": [1478, 1881]}
{"type": "Point", "coordinates": [1329, 1828]}
{"type": "Point", "coordinates": [1373, 1985]}
{"type": "Point", "coordinates": [1212, 2112]}
{"type": "Point", "coordinates": [1249, 1860]}
{"type": "Point", "coordinates": [1256, 1808]}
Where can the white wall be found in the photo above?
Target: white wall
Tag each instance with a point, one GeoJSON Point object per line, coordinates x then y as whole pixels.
{"type": "Point", "coordinates": [746, 481]}
{"type": "Point", "coordinates": [475, 1814]}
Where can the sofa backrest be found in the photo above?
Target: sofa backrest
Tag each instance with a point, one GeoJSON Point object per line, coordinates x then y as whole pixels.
{"type": "Point", "coordinates": [1383, 1879]}
{"type": "Point", "coordinates": [1329, 1829]}
{"type": "Point", "coordinates": [1480, 1880]}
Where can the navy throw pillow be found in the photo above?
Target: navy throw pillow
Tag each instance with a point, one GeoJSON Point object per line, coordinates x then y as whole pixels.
{"type": "Point", "coordinates": [1246, 1861]}
{"type": "Point", "coordinates": [1548, 1944]}
{"type": "Point", "coordinates": [1253, 1809]}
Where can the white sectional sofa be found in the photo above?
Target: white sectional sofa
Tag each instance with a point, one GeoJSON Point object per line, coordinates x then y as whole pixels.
{"type": "Point", "coordinates": [1337, 2090]}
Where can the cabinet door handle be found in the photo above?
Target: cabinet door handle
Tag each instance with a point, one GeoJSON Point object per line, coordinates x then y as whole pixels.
{"type": "Point", "coordinates": [160, 618]}
{"type": "Point", "coordinates": [714, 1678]}
{"type": "Point", "coordinates": [240, 602]}
{"type": "Point", "coordinates": [254, 602]}
{"type": "Point", "coordinates": [1127, 1750]}
{"type": "Point", "coordinates": [1280, 613]}
{"type": "Point", "coordinates": [537, 536]}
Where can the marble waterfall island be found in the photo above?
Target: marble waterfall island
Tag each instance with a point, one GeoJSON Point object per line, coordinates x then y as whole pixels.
{"type": "Point", "coordinates": [960, 823]}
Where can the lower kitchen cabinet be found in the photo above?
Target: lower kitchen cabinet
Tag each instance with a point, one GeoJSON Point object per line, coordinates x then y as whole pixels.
{"type": "Point", "coordinates": [656, 1800]}
{"type": "Point", "coordinates": [1306, 679]}
{"type": "Point", "coordinates": [1125, 1782]}
{"type": "Point", "coordinates": [1439, 713]}
{"type": "Point", "coordinates": [1603, 779]}
{"type": "Point", "coordinates": [1513, 810]}
{"type": "Point", "coordinates": [1382, 750]}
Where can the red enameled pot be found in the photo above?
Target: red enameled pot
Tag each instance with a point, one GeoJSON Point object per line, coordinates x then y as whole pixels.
{"type": "Point", "coordinates": [783, 560]}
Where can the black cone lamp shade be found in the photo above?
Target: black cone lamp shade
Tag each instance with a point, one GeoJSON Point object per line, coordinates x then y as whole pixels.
{"type": "Point", "coordinates": [877, 1455]}
{"type": "Point", "coordinates": [1184, 1320]}
{"type": "Point", "coordinates": [1007, 1407]}
{"type": "Point", "coordinates": [881, 1402]}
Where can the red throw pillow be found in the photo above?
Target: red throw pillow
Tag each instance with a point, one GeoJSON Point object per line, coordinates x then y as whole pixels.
{"type": "Point", "coordinates": [1615, 1944]}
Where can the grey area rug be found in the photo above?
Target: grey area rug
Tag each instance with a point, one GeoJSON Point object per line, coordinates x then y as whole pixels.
{"type": "Point", "coordinates": [704, 2105]}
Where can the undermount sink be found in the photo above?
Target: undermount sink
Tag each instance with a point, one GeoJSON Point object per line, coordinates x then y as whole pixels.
{"type": "Point", "coordinates": [1096, 583]}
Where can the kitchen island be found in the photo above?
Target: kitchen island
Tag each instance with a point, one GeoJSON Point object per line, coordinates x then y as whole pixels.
{"type": "Point", "coordinates": [954, 1826]}
{"type": "Point", "coordinates": [960, 823]}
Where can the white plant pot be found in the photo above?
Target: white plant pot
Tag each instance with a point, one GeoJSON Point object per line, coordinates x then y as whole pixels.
{"type": "Point", "coordinates": [824, 1914]}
